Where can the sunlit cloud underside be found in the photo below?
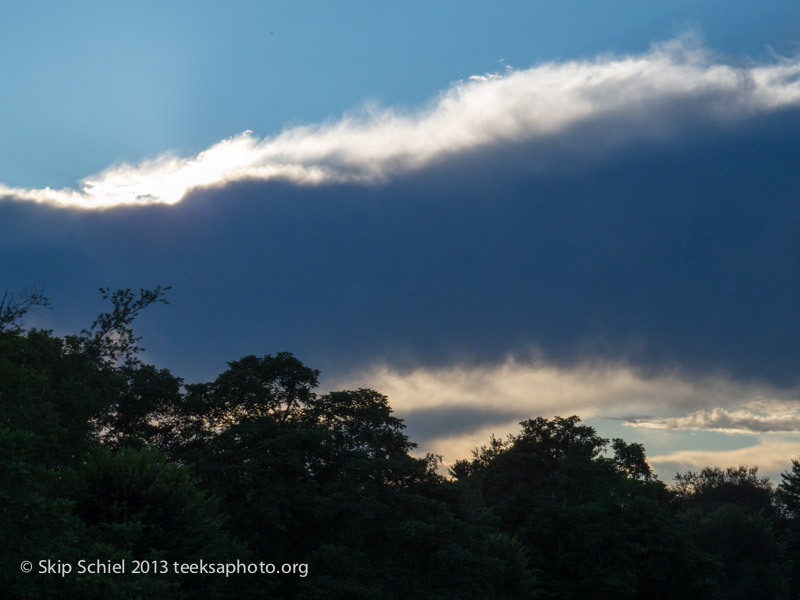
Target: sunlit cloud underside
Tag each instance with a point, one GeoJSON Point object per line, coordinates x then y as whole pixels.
{"type": "Point", "coordinates": [655, 94]}
{"type": "Point", "coordinates": [652, 405]}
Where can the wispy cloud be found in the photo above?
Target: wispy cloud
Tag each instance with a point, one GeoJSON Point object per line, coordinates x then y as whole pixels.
{"type": "Point", "coordinates": [493, 399]}
{"type": "Point", "coordinates": [719, 419]}
{"type": "Point", "coordinates": [653, 94]}
{"type": "Point", "coordinates": [531, 388]}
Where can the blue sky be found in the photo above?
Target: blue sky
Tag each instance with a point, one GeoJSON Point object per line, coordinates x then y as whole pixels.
{"type": "Point", "coordinates": [486, 212]}
{"type": "Point", "coordinates": [88, 84]}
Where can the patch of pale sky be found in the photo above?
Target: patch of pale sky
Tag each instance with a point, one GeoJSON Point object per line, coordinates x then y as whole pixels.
{"type": "Point", "coordinates": [515, 106]}
{"type": "Point", "coordinates": [772, 455]}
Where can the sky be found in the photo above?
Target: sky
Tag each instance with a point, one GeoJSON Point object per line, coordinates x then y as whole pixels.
{"type": "Point", "coordinates": [486, 212]}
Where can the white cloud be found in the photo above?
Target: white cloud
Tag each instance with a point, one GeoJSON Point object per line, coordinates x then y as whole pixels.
{"type": "Point", "coordinates": [652, 94]}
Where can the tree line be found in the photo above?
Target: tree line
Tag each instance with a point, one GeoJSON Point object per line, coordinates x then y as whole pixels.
{"type": "Point", "coordinates": [105, 458]}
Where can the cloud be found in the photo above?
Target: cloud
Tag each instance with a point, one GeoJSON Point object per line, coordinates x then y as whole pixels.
{"type": "Point", "coordinates": [720, 419]}
{"type": "Point", "coordinates": [531, 388]}
{"type": "Point", "coordinates": [680, 252]}
{"type": "Point", "coordinates": [452, 410]}
{"type": "Point", "coordinates": [645, 96]}
{"type": "Point", "coordinates": [771, 454]}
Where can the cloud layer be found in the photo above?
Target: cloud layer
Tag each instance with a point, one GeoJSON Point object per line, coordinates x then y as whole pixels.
{"type": "Point", "coordinates": [681, 251]}
{"type": "Point", "coordinates": [535, 387]}
{"type": "Point", "coordinates": [634, 219]}
{"type": "Point", "coordinates": [652, 95]}
{"type": "Point", "coordinates": [452, 410]}
{"type": "Point", "coordinates": [726, 421]}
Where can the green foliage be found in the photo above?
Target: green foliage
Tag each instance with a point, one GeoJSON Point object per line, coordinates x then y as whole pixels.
{"type": "Point", "coordinates": [138, 503]}
{"type": "Point", "coordinates": [276, 386]}
{"type": "Point", "coordinates": [52, 392]}
{"type": "Point", "coordinates": [789, 490]}
{"type": "Point", "coordinates": [13, 308]}
{"type": "Point", "coordinates": [146, 410]}
{"type": "Point", "coordinates": [788, 494]}
{"type": "Point", "coordinates": [713, 487]}
{"type": "Point", "coordinates": [104, 457]}
{"type": "Point", "coordinates": [630, 459]}
{"type": "Point", "coordinates": [34, 523]}
{"type": "Point", "coordinates": [732, 516]}
{"type": "Point", "coordinates": [333, 479]}
{"type": "Point", "coordinates": [749, 556]}
{"type": "Point", "coordinates": [576, 511]}
{"type": "Point", "coordinates": [110, 338]}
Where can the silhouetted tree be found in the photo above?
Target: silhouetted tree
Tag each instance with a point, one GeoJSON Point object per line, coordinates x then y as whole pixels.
{"type": "Point", "coordinates": [789, 495]}
{"type": "Point", "coordinates": [731, 515]}
{"type": "Point", "coordinates": [105, 457]}
{"type": "Point", "coordinates": [14, 307]}
{"type": "Point", "coordinates": [594, 526]}
{"type": "Point", "coordinates": [713, 487]}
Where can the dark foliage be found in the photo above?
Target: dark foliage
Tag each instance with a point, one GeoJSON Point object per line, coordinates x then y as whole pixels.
{"type": "Point", "coordinates": [106, 458]}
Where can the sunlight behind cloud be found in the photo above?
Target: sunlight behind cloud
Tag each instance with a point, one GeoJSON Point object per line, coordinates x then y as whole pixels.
{"type": "Point", "coordinates": [654, 94]}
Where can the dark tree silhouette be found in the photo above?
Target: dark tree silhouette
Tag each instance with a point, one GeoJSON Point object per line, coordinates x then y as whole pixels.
{"type": "Point", "coordinates": [105, 457]}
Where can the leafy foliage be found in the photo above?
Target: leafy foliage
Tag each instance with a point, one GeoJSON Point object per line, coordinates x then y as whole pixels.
{"type": "Point", "coordinates": [578, 511]}
{"type": "Point", "coordinates": [106, 457]}
{"type": "Point", "coordinates": [13, 308]}
{"type": "Point", "coordinates": [713, 487]}
{"type": "Point", "coordinates": [110, 338]}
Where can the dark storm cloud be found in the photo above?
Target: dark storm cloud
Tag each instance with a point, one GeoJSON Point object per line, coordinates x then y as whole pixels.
{"type": "Point", "coordinates": [678, 251]}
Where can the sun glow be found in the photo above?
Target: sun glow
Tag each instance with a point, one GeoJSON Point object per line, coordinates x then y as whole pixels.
{"type": "Point", "coordinates": [631, 97]}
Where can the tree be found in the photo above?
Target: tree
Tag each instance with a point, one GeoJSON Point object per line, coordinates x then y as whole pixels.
{"type": "Point", "coordinates": [139, 506]}
{"type": "Point", "coordinates": [329, 480]}
{"type": "Point", "coordinates": [278, 386]}
{"type": "Point", "coordinates": [35, 523]}
{"type": "Point", "coordinates": [788, 493]}
{"type": "Point", "coordinates": [578, 511]}
{"type": "Point", "coordinates": [110, 339]}
{"type": "Point", "coordinates": [109, 458]}
{"type": "Point", "coordinates": [13, 307]}
{"type": "Point", "coordinates": [729, 514]}
{"type": "Point", "coordinates": [749, 556]}
{"type": "Point", "coordinates": [147, 409]}
{"type": "Point", "coordinates": [68, 390]}
{"type": "Point", "coordinates": [789, 490]}
{"type": "Point", "coordinates": [713, 487]}
{"type": "Point", "coordinates": [56, 395]}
